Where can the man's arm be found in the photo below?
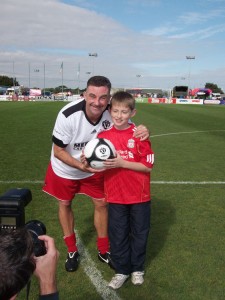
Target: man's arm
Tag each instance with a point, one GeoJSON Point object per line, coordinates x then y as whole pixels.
{"type": "Point", "coordinates": [65, 157]}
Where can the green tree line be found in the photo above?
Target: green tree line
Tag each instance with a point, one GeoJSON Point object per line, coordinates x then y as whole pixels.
{"type": "Point", "coordinates": [9, 81]}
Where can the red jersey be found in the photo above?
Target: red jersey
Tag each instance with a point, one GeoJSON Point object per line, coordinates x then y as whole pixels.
{"type": "Point", "coordinates": [124, 186]}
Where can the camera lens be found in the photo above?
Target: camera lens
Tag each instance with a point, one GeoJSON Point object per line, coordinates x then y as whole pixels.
{"type": "Point", "coordinates": [37, 228]}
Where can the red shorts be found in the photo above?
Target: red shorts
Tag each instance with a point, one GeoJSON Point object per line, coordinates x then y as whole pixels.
{"type": "Point", "coordinates": [66, 189]}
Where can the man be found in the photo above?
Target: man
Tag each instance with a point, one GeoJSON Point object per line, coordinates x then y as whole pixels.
{"type": "Point", "coordinates": [76, 125]}
{"type": "Point", "coordinates": [17, 264]}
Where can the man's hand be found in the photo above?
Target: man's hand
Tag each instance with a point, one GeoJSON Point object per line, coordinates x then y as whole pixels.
{"type": "Point", "coordinates": [142, 132]}
{"type": "Point", "coordinates": [86, 167]}
{"type": "Point", "coordinates": [46, 266]}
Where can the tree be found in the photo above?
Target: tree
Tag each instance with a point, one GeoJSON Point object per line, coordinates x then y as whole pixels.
{"type": "Point", "coordinates": [213, 87]}
{"type": "Point", "coordinates": [61, 88]}
{"type": "Point", "coordinates": [8, 81]}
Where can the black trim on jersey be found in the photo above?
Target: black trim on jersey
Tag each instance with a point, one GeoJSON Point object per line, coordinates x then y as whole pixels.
{"type": "Point", "coordinates": [92, 123]}
{"type": "Point", "coordinates": [58, 142]}
{"type": "Point", "coordinates": [81, 106]}
{"type": "Point", "coordinates": [75, 108]}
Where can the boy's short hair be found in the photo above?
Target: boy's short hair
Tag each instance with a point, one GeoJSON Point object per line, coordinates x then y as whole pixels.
{"type": "Point", "coordinates": [17, 262]}
{"type": "Point", "coordinates": [123, 97]}
{"type": "Point", "coordinates": [99, 81]}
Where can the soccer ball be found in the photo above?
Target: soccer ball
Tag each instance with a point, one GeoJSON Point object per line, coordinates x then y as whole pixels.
{"type": "Point", "coordinates": [97, 151]}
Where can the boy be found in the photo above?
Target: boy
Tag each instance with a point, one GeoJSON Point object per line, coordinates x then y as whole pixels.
{"type": "Point", "coordinates": [127, 190]}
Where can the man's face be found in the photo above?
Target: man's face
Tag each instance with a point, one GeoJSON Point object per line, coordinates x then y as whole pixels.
{"type": "Point", "coordinates": [97, 99]}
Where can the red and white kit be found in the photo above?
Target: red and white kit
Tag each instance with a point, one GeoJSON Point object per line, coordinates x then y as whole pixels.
{"type": "Point", "coordinates": [124, 186]}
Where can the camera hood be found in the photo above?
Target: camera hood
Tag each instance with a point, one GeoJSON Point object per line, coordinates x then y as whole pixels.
{"type": "Point", "coordinates": [16, 197]}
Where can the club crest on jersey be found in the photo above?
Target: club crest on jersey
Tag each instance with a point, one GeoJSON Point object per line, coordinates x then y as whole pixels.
{"type": "Point", "coordinates": [130, 143]}
{"type": "Point", "coordinates": [106, 124]}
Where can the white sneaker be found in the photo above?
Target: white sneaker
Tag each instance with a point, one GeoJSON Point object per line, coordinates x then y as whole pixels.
{"type": "Point", "coordinates": [117, 281]}
{"type": "Point", "coordinates": [137, 278]}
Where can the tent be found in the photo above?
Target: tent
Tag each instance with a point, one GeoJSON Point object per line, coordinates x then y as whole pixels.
{"type": "Point", "coordinates": [201, 91]}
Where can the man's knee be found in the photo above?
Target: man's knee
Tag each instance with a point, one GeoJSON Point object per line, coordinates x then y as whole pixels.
{"type": "Point", "coordinates": [100, 203]}
{"type": "Point", "coordinates": [64, 203]}
{"type": "Point", "coordinates": [65, 207]}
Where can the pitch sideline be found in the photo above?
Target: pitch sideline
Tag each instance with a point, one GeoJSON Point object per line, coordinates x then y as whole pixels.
{"type": "Point", "coordinates": [94, 274]}
{"type": "Point", "coordinates": [186, 132]}
{"type": "Point", "coordinates": [152, 182]}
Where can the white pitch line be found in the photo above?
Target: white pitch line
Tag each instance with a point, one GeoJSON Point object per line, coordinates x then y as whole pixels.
{"type": "Point", "coordinates": [185, 132]}
{"type": "Point", "coordinates": [152, 182]}
{"type": "Point", "coordinates": [22, 181]}
{"type": "Point", "coordinates": [188, 182]}
{"type": "Point", "coordinates": [94, 274]}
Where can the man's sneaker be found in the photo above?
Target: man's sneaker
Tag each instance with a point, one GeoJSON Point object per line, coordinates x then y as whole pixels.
{"type": "Point", "coordinates": [106, 258]}
{"type": "Point", "coordinates": [71, 264]}
{"type": "Point", "coordinates": [117, 281]}
{"type": "Point", "coordinates": [137, 278]}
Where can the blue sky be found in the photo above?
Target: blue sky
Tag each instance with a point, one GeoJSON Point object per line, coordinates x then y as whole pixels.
{"type": "Point", "coordinates": [150, 38]}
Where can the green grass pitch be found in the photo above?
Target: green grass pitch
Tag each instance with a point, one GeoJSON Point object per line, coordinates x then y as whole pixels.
{"type": "Point", "coordinates": [185, 255]}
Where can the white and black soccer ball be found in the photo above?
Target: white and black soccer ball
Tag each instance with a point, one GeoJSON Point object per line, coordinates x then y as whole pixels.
{"type": "Point", "coordinates": [97, 151]}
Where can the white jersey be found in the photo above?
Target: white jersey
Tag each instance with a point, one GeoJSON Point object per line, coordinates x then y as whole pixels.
{"type": "Point", "coordinates": [72, 131]}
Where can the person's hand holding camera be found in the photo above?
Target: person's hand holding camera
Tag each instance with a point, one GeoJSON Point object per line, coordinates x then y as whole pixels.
{"type": "Point", "coordinates": [46, 266]}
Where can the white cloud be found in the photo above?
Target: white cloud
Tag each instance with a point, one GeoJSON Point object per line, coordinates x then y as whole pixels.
{"type": "Point", "coordinates": [161, 30]}
{"type": "Point", "coordinates": [191, 18]}
{"type": "Point", "coordinates": [47, 32]}
{"type": "Point", "coordinates": [202, 33]}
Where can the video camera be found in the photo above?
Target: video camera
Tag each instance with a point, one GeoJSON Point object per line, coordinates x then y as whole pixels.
{"type": "Point", "coordinates": [12, 216]}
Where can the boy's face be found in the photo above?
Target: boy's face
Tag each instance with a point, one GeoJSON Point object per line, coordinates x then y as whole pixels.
{"type": "Point", "coordinates": [121, 114]}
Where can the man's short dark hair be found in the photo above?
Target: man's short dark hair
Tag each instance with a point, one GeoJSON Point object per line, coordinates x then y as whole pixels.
{"type": "Point", "coordinates": [99, 81]}
{"type": "Point", "coordinates": [17, 262]}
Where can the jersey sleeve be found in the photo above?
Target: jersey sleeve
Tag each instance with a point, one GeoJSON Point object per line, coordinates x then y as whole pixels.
{"type": "Point", "coordinates": [145, 153]}
{"type": "Point", "coordinates": [61, 133]}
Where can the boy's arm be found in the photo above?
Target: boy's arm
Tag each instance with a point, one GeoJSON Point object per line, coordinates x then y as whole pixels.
{"type": "Point", "coordinates": [119, 162]}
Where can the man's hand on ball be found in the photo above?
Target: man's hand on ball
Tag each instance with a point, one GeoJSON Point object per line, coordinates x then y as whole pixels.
{"type": "Point", "coordinates": [142, 132]}
{"type": "Point", "coordinates": [86, 167]}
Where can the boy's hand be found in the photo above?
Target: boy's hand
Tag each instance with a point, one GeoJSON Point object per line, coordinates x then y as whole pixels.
{"type": "Point", "coordinates": [116, 162]}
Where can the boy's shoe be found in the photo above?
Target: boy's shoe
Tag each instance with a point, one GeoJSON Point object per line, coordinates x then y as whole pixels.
{"type": "Point", "coordinates": [106, 258]}
{"type": "Point", "coordinates": [71, 264]}
{"type": "Point", "coordinates": [117, 281]}
{"type": "Point", "coordinates": [137, 278]}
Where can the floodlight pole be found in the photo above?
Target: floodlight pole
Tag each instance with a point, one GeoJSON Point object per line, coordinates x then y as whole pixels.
{"type": "Point", "coordinates": [44, 78]}
{"type": "Point", "coordinates": [29, 75]}
{"type": "Point", "coordinates": [36, 71]}
{"type": "Point", "coordinates": [13, 78]}
{"type": "Point", "coordinates": [78, 77]}
{"type": "Point", "coordinates": [93, 55]}
{"type": "Point", "coordinates": [62, 78]}
{"type": "Point", "coordinates": [189, 57]}
{"type": "Point", "coordinates": [138, 76]}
